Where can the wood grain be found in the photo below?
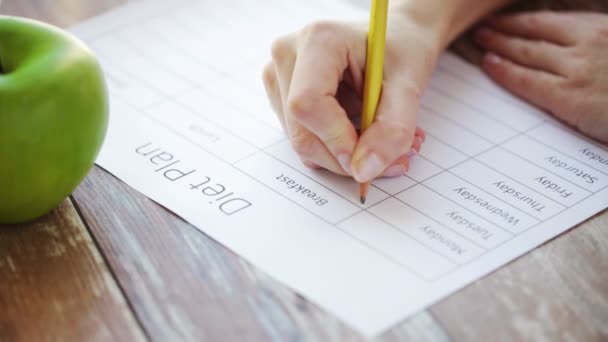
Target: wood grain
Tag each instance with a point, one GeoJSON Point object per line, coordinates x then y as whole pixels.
{"type": "Point", "coordinates": [183, 285]}
{"type": "Point", "coordinates": [556, 292]}
{"type": "Point", "coordinates": [55, 285]}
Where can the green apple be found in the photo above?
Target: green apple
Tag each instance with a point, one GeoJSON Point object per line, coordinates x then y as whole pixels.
{"type": "Point", "coordinates": [53, 116]}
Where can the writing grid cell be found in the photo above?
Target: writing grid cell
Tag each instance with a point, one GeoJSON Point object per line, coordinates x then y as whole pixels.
{"type": "Point", "coordinates": [460, 220]}
{"type": "Point", "coordinates": [249, 77]}
{"type": "Point", "coordinates": [123, 56]}
{"type": "Point", "coordinates": [397, 246]}
{"type": "Point", "coordinates": [466, 116]}
{"type": "Point", "coordinates": [422, 169]}
{"type": "Point", "coordinates": [449, 133]}
{"type": "Point", "coordinates": [581, 149]}
{"type": "Point", "coordinates": [190, 36]}
{"type": "Point", "coordinates": [188, 25]}
{"type": "Point", "coordinates": [344, 186]}
{"type": "Point", "coordinates": [298, 188]}
{"type": "Point", "coordinates": [129, 13]}
{"type": "Point", "coordinates": [257, 133]}
{"type": "Point", "coordinates": [283, 18]}
{"type": "Point", "coordinates": [128, 89]}
{"type": "Point", "coordinates": [470, 73]}
{"type": "Point", "coordinates": [457, 67]}
{"type": "Point", "coordinates": [216, 140]}
{"type": "Point", "coordinates": [254, 104]}
{"type": "Point", "coordinates": [534, 177]}
{"type": "Point", "coordinates": [426, 231]}
{"type": "Point", "coordinates": [510, 191]}
{"type": "Point", "coordinates": [558, 163]}
{"type": "Point", "coordinates": [480, 202]}
{"type": "Point", "coordinates": [491, 106]}
{"type": "Point", "coordinates": [145, 41]}
{"type": "Point", "coordinates": [440, 153]}
{"type": "Point", "coordinates": [394, 185]}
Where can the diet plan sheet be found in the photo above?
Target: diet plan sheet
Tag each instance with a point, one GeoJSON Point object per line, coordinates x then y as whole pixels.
{"type": "Point", "coordinates": [192, 129]}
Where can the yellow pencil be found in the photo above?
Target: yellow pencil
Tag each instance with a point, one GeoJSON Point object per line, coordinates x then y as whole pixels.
{"type": "Point", "coordinates": [374, 69]}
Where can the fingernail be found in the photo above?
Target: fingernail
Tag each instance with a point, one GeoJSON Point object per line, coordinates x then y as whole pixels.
{"type": "Point", "coordinates": [368, 168]}
{"type": "Point", "coordinates": [394, 171]}
{"type": "Point", "coordinates": [345, 159]}
{"type": "Point", "coordinates": [493, 58]}
{"type": "Point", "coordinates": [311, 165]}
{"type": "Point", "coordinates": [417, 145]}
{"type": "Point", "coordinates": [406, 166]}
{"type": "Point", "coordinates": [421, 133]}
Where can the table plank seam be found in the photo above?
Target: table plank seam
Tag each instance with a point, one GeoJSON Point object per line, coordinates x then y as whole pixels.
{"type": "Point", "coordinates": [105, 259]}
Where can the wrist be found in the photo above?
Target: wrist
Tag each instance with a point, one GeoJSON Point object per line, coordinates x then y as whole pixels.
{"type": "Point", "coordinates": [446, 19]}
{"type": "Point", "coordinates": [425, 14]}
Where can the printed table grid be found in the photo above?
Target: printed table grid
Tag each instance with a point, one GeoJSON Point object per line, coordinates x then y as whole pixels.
{"type": "Point", "coordinates": [112, 63]}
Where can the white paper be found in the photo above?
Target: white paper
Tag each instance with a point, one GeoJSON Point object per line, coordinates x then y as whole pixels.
{"type": "Point", "coordinates": [192, 129]}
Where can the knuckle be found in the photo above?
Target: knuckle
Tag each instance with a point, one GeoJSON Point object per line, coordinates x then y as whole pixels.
{"type": "Point", "coordinates": [529, 21]}
{"type": "Point", "coordinates": [281, 48]}
{"type": "Point", "coordinates": [602, 33]}
{"type": "Point", "coordinates": [585, 69]}
{"type": "Point", "coordinates": [521, 80]}
{"type": "Point", "coordinates": [300, 106]}
{"type": "Point", "coordinates": [581, 74]}
{"type": "Point", "coordinates": [526, 51]}
{"type": "Point", "coordinates": [340, 139]}
{"type": "Point", "coordinates": [321, 27]}
{"type": "Point", "coordinates": [564, 84]}
{"type": "Point", "coordinates": [321, 32]}
{"type": "Point", "coordinates": [574, 84]}
{"type": "Point", "coordinates": [577, 57]}
{"type": "Point", "coordinates": [496, 40]}
{"type": "Point", "coordinates": [543, 45]}
{"type": "Point", "coordinates": [332, 140]}
{"type": "Point", "coordinates": [534, 20]}
{"type": "Point", "coordinates": [567, 113]}
{"type": "Point", "coordinates": [513, 78]}
{"type": "Point", "coordinates": [399, 134]}
{"type": "Point", "coordinates": [541, 49]}
{"type": "Point", "coordinates": [268, 76]}
{"type": "Point", "coordinates": [410, 87]}
{"type": "Point", "coordinates": [303, 144]}
{"type": "Point", "coordinates": [589, 122]}
{"type": "Point", "coordinates": [577, 53]}
{"type": "Point", "coordinates": [544, 14]}
{"type": "Point", "coordinates": [599, 36]}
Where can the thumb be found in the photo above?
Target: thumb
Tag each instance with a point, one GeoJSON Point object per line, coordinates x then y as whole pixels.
{"type": "Point", "coordinates": [392, 133]}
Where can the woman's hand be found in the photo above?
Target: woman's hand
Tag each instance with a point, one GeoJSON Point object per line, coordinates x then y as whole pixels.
{"type": "Point", "coordinates": [558, 61]}
{"type": "Point", "coordinates": [315, 84]}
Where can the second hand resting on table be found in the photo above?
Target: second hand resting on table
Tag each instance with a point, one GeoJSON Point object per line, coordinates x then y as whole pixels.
{"type": "Point", "coordinates": [558, 61]}
{"type": "Point", "coordinates": [316, 77]}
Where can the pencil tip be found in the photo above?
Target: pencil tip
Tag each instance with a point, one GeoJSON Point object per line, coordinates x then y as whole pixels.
{"type": "Point", "coordinates": [362, 199]}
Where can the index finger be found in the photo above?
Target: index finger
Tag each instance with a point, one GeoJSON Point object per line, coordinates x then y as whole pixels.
{"type": "Point", "coordinates": [321, 61]}
{"type": "Point", "coordinates": [392, 133]}
{"type": "Point", "coordinates": [545, 25]}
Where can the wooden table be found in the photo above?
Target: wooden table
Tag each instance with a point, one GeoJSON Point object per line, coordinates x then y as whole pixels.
{"type": "Point", "coordinates": [110, 264]}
